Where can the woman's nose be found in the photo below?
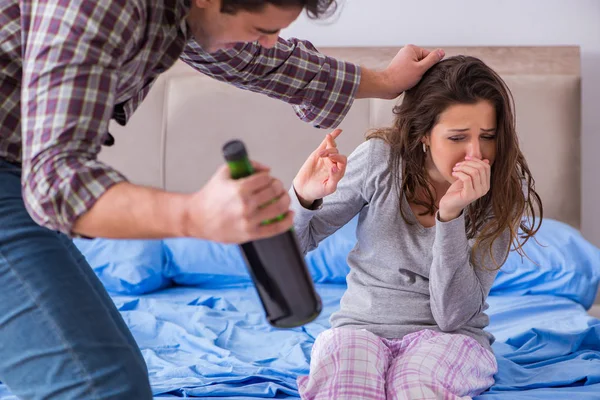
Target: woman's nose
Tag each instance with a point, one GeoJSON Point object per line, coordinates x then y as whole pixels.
{"type": "Point", "coordinates": [474, 150]}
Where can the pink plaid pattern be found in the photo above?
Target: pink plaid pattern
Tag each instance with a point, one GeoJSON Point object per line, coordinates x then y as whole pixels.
{"type": "Point", "coordinates": [356, 364]}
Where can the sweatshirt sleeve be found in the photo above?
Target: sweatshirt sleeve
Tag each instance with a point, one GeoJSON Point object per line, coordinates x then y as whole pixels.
{"type": "Point", "coordinates": [334, 211]}
{"type": "Point", "coordinates": [458, 283]}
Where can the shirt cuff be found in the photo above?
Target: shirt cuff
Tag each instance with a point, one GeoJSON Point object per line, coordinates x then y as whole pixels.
{"type": "Point", "coordinates": [58, 203]}
{"type": "Point", "coordinates": [301, 211]}
{"type": "Point", "coordinates": [337, 96]}
{"type": "Point", "coordinates": [451, 236]}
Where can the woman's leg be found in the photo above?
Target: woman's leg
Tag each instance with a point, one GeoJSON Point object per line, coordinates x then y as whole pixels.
{"type": "Point", "coordinates": [346, 364]}
{"type": "Point", "coordinates": [432, 365]}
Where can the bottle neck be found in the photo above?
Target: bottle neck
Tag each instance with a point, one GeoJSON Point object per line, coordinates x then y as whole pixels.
{"type": "Point", "coordinates": [240, 168]}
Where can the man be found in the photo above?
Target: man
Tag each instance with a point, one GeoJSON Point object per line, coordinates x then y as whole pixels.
{"type": "Point", "coordinates": [66, 68]}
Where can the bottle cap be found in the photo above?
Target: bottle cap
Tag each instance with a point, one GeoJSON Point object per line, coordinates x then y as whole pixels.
{"type": "Point", "coordinates": [234, 150]}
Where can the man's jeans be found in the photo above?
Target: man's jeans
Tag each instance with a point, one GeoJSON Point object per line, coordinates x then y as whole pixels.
{"type": "Point", "coordinates": [61, 336]}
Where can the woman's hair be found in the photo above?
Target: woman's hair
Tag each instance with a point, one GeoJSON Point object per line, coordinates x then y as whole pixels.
{"type": "Point", "coordinates": [512, 195]}
{"type": "Point", "coordinates": [314, 8]}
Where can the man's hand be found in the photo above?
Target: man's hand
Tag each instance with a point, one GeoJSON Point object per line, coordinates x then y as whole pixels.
{"type": "Point", "coordinates": [233, 211]}
{"type": "Point", "coordinates": [404, 71]}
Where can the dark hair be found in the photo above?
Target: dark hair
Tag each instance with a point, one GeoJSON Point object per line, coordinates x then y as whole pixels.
{"type": "Point", "coordinates": [512, 195]}
{"type": "Point", "coordinates": [314, 8]}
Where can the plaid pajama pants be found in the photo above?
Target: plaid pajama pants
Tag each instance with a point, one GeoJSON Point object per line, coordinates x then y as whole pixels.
{"type": "Point", "coordinates": [353, 364]}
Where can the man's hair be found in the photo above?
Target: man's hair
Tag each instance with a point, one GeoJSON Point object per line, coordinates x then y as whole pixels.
{"type": "Point", "coordinates": [314, 8]}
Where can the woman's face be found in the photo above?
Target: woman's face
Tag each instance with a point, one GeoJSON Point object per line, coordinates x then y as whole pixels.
{"type": "Point", "coordinates": [462, 130]}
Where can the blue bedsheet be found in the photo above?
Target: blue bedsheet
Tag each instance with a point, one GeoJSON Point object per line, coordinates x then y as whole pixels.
{"type": "Point", "coordinates": [207, 342]}
{"type": "Point", "coordinates": [217, 343]}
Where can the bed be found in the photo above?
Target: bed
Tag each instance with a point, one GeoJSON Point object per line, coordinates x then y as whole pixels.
{"type": "Point", "coordinates": [195, 313]}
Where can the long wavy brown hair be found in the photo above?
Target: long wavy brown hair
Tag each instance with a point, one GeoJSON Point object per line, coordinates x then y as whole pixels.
{"type": "Point", "coordinates": [512, 195]}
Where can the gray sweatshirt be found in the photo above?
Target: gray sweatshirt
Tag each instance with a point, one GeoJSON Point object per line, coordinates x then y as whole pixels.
{"type": "Point", "coordinates": [403, 278]}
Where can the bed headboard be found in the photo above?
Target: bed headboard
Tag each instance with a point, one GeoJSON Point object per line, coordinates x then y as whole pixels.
{"type": "Point", "coordinates": [174, 140]}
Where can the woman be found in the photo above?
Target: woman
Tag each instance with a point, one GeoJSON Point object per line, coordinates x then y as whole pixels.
{"type": "Point", "coordinates": [440, 197]}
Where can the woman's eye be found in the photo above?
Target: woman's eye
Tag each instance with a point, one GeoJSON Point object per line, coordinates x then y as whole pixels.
{"type": "Point", "coordinates": [489, 137]}
{"type": "Point", "coordinates": [456, 138]}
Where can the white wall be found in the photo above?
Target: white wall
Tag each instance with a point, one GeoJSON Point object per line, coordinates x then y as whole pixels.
{"type": "Point", "coordinates": [484, 22]}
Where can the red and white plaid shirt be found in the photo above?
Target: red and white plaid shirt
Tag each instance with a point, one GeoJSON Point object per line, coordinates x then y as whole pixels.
{"type": "Point", "coordinates": [67, 67]}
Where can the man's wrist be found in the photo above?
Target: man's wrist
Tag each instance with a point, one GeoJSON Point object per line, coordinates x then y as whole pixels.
{"type": "Point", "coordinates": [374, 84]}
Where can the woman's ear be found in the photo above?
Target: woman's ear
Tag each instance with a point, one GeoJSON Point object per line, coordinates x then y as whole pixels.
{"type": "Point", "coordinates": [425, 141]}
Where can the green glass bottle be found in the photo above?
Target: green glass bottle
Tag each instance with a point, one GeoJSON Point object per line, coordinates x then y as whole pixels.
{"type": "Point", "coordinates": [276, 264]}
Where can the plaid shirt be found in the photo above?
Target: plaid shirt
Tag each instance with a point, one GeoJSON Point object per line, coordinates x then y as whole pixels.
{"type": "Point", "coordinates": [67, 68]}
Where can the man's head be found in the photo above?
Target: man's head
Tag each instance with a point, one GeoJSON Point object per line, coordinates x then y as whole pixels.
{"type": "Point", "coordinates": [219, 24]}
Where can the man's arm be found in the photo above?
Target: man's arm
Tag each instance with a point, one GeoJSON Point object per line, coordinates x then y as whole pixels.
{"type": "Point", "coordinates": [69, 85]}
{"type": "Point", "coordinates": [224, 210]}
{"type": "Point", "coordinates": [320, 88]}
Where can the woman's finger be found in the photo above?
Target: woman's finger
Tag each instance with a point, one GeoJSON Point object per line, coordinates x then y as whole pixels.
{"type": "Point", "coordinates": [474, 171]}
{"type": "Point", "coordinates": [331, 138]}
{"type": "Point", "coordinates": [467, 182]}
{"type": "Point", "coordinates": [336, 133]}
{"type": "Point", "coordinates": [481, 166]}
{"type": "Point", "coordinates": [488, 172]}
{"type": "Point", "coordinates": [485, 164]}
{"type": "Point", "coordinates": [338, 158]}
{"type": "Point", "coordinates": [328, 152]}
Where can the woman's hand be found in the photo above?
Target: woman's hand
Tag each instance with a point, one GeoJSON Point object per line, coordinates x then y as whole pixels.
{"type": "Point", "coordinates": [473, 182]}
{"type": "Point", "coordinates": [321, 172]}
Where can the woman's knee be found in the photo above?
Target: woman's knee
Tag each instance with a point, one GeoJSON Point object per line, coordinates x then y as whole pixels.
{"type": "Point", "coordinates": [346, 364]}
{"type": "Point", "coordinates": [341, 340]}
{"type": "Point", "coordinates": [428, 360]}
